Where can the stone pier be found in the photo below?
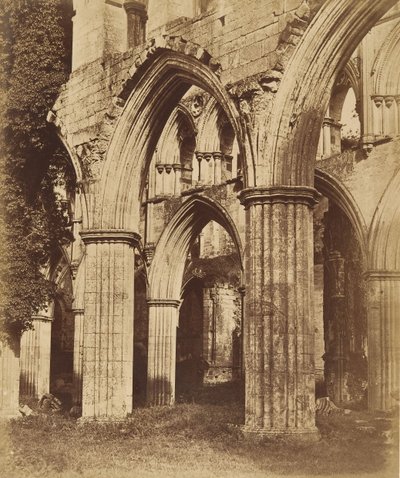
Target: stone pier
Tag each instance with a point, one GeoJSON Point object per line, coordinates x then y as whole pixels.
{"type": "Point", "coordinates": [383, 339]}
{"type": "Point", "coordinates": [163, 321]}
{"type": "Point", "coordinates": [35, 357]}
{"type": "Point", "coordinates": [279, 328]}
{"type": "Point", "coordinates": [107, 387]}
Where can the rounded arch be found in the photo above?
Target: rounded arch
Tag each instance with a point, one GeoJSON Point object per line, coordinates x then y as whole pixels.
{"type": "Point", "coordinates": [331, 188]}
{"type": "Point", "coordinates": [167, 267]}
{"type": "Point", "coordinates": [155, 89]}
{"type": "Point", "coordinates": [304, 92]}
{"type": "Point", "coordinates": [384, 233]}
{"type": "Point", "coordinates": [387, 78]}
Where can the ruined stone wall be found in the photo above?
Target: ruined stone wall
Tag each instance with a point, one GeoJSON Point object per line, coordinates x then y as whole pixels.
{"type": "Point", "coordinates": [243, 38]}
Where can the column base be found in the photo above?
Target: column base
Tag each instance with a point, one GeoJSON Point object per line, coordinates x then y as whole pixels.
{"type": "Point", "coordinates": [102, 420]}
{"type": "Point", "coordinates": [296, 434]}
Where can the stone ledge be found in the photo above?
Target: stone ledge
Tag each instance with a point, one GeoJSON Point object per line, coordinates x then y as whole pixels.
{"type": "Point", "coordinates": [110, 235]}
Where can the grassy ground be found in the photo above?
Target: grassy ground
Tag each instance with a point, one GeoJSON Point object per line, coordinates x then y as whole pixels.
{"type": "Point", "coordinates": [197, 439]}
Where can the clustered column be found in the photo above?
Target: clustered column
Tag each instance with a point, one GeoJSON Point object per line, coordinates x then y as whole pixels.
{"type": "Point", "coordinates": [35, 356]}
{"type": "Point", "coordinates": [209, 167]}
{"type": "Point", "coordinates": [335, 357]}
{"type": "Point", "coordinates": [278, 329]}
{"type": "Point", "coordinates": [383, 339]}
{"type": "Point", "coordinates": [78, 356]}
{"type": "Point", "coordinates": [108, 324]}
{"type": "Point", "coordinates": [9, 378]}
{"type": "Point", "coordinates": [163, 321]}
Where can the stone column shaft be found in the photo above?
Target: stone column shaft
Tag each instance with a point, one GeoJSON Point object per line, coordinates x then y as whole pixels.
{"type": "Point", "coordinates": [163, 321]}
{"type": "Point", "coordinates": [279, 332]}
{"type": "Point", "coordinates": [9, 379]}
{"type": "Point", "coordinates": [35, 357]}
{"type": "Point", "coordinates": [327, 138]}
{"type": "Point", "coordinates": [336, 356]}
{"type": "Point", "coordinates": [383, 338]}
{"type": "Point", "coordinates": [137, 18]}
{"type": "Point", "coordinates": [108, 324]}
{"type": "Point", "coordinates": [178, 175]}
{"type": "Point", "coordinates": [217, 168]}
{"type": "Point", "coordinates": [378, 115]}
{"type": "Point", "coordinates": [78, 356]}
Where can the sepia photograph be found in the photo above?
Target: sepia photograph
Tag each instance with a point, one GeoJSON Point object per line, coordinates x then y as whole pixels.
{"type": "Point", "coordinates": [199, 238]}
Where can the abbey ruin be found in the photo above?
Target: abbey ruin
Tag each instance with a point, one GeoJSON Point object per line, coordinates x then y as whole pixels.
{"type": "Point", "coordinates": [236, 215]}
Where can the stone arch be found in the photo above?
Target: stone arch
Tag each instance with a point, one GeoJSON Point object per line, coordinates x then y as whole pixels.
{"type": "Point", "coordinates": [384, 233]}
{"type": "Point", "coordinates": [304, 92]}
{"type": "Point", "coordinates": [334, 190]}
{"type": "Point", "coordinates": [156, 86]}
{"type": "Point", "coordinates": [166, 270]}
{"type": "Point", "coordinates": [387, 78]}
{"type": "Point", "coordinates": [63, 137]}
{"type": "Point", "coordinates": [346, 80]}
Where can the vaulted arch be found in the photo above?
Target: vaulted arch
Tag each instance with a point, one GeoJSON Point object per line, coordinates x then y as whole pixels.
{"type": "Point", "coordinates": [330, 187]}
{"type": "Point", "coordinates": [386, 77]}
{"type": "Point", "coordinates": [304, 92]}
{"type": "Point", "coordinates": [166, 270]}
{"type": "Point", "coordinates": [152, 93]}
{"type": "Point", "coordinates": [384, 234]}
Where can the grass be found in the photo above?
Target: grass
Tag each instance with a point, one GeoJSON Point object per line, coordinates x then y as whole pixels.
{"type": "Point", "coordinates": [197, 439]}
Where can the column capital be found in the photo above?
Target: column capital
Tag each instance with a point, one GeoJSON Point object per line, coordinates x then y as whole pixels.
{"type": "Point", "coordinates": [378, 100]}
{"type": "Point", "coordinates": [135, 7]}
{"type": "Point", "coordinates": [163, 303]}
{"type": "Point", "coordinates": [77, 311]}
{"type": "Point", "coordinates": [280, 194]}
{"type": "Point", "coordinates": [217, 155]}
{"type": "Point", "coordinates": [199, 155]}
{"type": "Point", "coordinates": [42, 318]}
{"type": "Point", "coordinates": [382, 275]}
{"type": "Point", "coordinates": [95, 236]}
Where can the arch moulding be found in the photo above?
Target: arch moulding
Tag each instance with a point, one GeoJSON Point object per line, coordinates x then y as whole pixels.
{"type": "Point", "coordinates": [304, 92]}
{"type": "Point", "coordinates": [167, 267]}
{"type": "Point", "coordinates": [159, 78]}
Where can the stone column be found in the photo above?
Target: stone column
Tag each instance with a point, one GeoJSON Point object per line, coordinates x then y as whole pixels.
{"type": "Point", "coordinates": [208, 166]}
{"type": "Point", "coordinates": [137, 18]}
{"type": "Point", "coordinates": [217, 167]}
{"type": "Point", "coordinates": [383, 338]}
{"type": "Point", "coordinates": [335, 333]}
{"type": "Point", "coordinates": [378, 115]}
{"type": "Point", "coordinates": [389, 116]}
{"type": "Point", "coordinates": [163, 321]}
{"type": "Point", "coordinates": [178, 174]}
{"type": "Point", "coordinates": [326, 125]}
{"type": "Point", "coordinates": [78, 356]}
{"type": "Point", "coordinates": [35, 357]}
{"type": "Point", "coordinates": [169, 180]}
{"type": "Point", "coordinates": [201, 168]}
{"type": "Point", "coordinates": [9, 378]}
{"type": "Point", "coordinates": [397, 99]}
{"type": "Point", "coordinates": [108, 324]}
{"type": "Point", "coordinates": [159, 182]}
{"type": "Point", "coordinates": [279, 328]}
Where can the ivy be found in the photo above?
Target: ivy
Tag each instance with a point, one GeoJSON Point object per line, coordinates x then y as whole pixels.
{"type": "Point", "coordinates": [34, 54]}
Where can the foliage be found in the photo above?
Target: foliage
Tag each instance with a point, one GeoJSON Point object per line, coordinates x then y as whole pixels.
{"type": "Point", "coordinates": [34, 50]}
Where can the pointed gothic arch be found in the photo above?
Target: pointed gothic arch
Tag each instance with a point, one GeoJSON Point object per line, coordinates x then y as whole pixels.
{"type": "Point", "coordinates": [303, 95]}
{"type": "Point", "coordinates": [152, 93]}
{"type": "Point", "coordinates": [166, 270]}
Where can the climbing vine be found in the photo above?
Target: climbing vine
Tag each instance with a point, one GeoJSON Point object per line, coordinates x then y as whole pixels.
{"type": "Point", "coordinates": [35, 52]}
